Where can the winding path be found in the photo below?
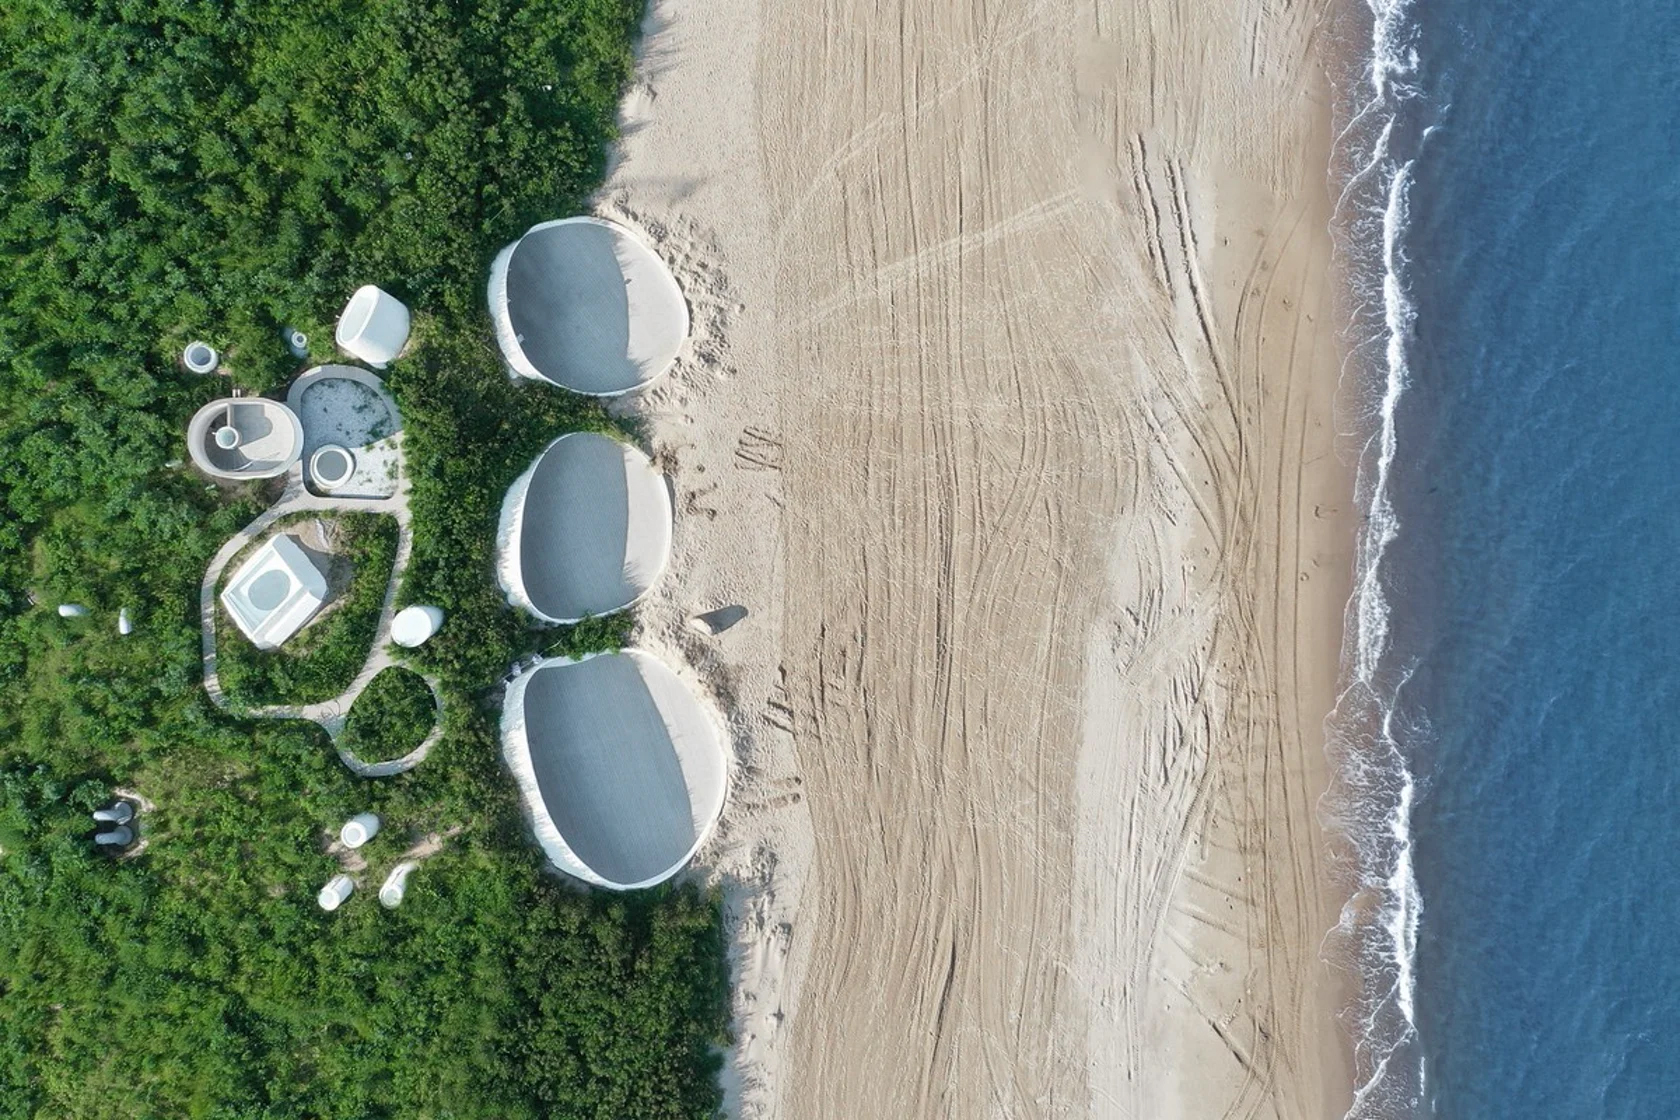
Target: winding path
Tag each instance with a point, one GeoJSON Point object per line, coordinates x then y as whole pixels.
{"type": "Point", "coordinates": [329, 714]}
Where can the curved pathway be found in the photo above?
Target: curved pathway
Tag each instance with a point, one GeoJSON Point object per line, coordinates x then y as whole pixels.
{"type": "Point", "coordinates": [329, 714]}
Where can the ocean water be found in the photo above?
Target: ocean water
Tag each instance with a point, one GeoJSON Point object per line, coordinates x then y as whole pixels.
{"type": "Point", "coordinates": [1509, 742]}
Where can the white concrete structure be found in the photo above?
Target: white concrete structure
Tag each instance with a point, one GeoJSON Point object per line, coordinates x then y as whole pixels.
{"type": "Point", "coordinates": [244, 437]}
{"type": "Point", "coordinates": [331, 466]}
{"type": "Point", "coordinates": [621, 767]}
{"type": "Point", "coordinates": [275, 592]}
{"type": "Point", "coordinates": [120, 812]}
{"type": "Point", "coordinates": [334, 894]}
{"type": "Point", "coordinates": [119, 837]}
{"type": "Point", "coordinates": [396, 884]}
{"type": "Point", "coordinates": [583, 304]}
{"type": "Point", "coordinates": [585, 531]}
{"type": "Point", "coordinates": [359, 829]}
{"type": "Point", "coordinates": [374, 326]}
{"type": "Point", "coordinates": [414, 625]}
{"type": "Point", "coordinates": [200, 357]}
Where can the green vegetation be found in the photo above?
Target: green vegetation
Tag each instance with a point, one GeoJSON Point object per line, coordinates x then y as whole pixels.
{"type": "Point", "coordinates": [392, 717]}
{"type": "Point", "coordinates": [322, 660]}
{"type": "Point", "coordinates": [171, 171]}
{"type": "Point", "coordinates": [592, 635]}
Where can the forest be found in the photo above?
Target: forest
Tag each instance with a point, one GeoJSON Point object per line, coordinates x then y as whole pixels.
{"type": "Point", "coordinates": [181, 169]}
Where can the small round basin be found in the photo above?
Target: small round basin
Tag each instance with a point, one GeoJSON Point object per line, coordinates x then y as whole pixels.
{"type": "Point", "coordinates": [200, 357]}
{"type": "Point", "coordinates": [331, 466]}
{"type": "Point", "coordinates": [269, 590]}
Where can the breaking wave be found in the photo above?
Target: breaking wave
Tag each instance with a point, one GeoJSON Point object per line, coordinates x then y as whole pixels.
{"type": "Point", "coordinates": [1374, 788]}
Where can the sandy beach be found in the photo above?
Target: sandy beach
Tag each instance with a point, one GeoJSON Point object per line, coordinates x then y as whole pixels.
{"type": "Point", "coordinates": [1009, 415]}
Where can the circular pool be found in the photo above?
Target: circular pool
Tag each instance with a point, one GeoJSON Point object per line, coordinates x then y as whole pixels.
{"type": "Point", "coordinates": [331, 466]}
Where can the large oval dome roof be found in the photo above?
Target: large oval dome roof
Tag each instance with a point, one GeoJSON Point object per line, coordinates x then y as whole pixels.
{"type": "Point", "coordinates": [584, 304]}
{"type": "Point", "coordinates": [621, 767]}
{"type": "Point", "coordinates": [585, 531]}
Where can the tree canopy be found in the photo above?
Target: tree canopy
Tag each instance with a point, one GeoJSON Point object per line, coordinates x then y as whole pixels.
{"type": "Point", "coordinates": [181, 169]}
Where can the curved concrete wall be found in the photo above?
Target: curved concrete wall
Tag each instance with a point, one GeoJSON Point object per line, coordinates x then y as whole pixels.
{"type": "Point", "coordinates": [586, 530]}
{"type": "Point", "coordinates": [621, 767]}
{"type": "Point", "coordinates": [270, 438]}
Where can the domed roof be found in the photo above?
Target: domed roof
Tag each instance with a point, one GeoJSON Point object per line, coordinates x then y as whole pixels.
{"type": "Point", "coordinates": [582, 303]}
{"type": "Point", "coordinates": [585, 531]}
{"type": "Point", "coordinates": [621, 767]}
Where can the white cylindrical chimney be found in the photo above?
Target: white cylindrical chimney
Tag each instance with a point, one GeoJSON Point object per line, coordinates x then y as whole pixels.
{"type": "Point", "coordinates": [414, 625]}
{"type": "Point", "coordinates": [338, 889]}
{"type": "Point", "coordinates": [396, 885]}
{"type": "Point", "coordinates": [359, 829]}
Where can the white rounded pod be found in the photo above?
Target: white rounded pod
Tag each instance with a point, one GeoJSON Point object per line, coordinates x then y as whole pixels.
{"type": "Point", "coordinates": [584, 304]}
{"type": "Point", "coordinates": [621, 767]}
{"type": "Point", "coordinates": [414, 625]}
{"type": "Point", "coordinates": [119, 837]}
{"type": "Point", "coordinates": [359, 829]}
{"type": "Point", "coordinates": [396, 884]}
{"type": "Point", "coordinates": [374, 326]}
{"type": "Point", "coordinates": [334, 894]}
{"type": "Point", "coordinates": [118, 812]}
{"type": "Point", "coordinates": [585, 531]}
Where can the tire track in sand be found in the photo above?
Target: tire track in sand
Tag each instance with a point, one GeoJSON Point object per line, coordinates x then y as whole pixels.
{"type": "Point", "coordinates": [1042, 425]}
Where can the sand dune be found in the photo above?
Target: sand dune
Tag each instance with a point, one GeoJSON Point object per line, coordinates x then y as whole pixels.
{"type": "Point", "coordinates": [1009, 417]}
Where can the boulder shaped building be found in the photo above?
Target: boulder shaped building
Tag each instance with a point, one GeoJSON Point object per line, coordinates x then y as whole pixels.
{"type": "Point", "coordinates": [583, 304]}
{"type": "Point", "coordinates": [586, 530]}
{"type": "Point", "coordinates": [621, 767]}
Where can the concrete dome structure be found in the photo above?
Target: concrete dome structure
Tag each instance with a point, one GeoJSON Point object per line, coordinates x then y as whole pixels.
{"type": "Point", "coordinates": [244, 437]}
{"type": "Point", "coordinates": [585, 531]}
{"type": "Point", "coordinates": [621, 767]}
{"type": "Point", "coordinates": [583, 304]}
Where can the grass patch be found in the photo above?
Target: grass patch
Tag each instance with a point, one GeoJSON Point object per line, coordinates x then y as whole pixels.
{"type": "Point", "coordinates": [319, 662]}
{"type": "Point", "coordinates": [392, 717]}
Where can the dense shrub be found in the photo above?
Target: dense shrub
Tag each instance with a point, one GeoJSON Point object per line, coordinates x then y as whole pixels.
{"type": "Point", "coordinates": [392, 717]}
{"type": "Point", "coordinates": [218, 169]}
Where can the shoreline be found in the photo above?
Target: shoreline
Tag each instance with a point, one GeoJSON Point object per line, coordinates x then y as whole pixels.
{"type": "Point", "coordinates": [1010, 417]}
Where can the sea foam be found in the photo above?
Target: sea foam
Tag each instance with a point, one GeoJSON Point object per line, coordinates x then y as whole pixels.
{"type": "Point", "coordinates": [1374, 790]}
